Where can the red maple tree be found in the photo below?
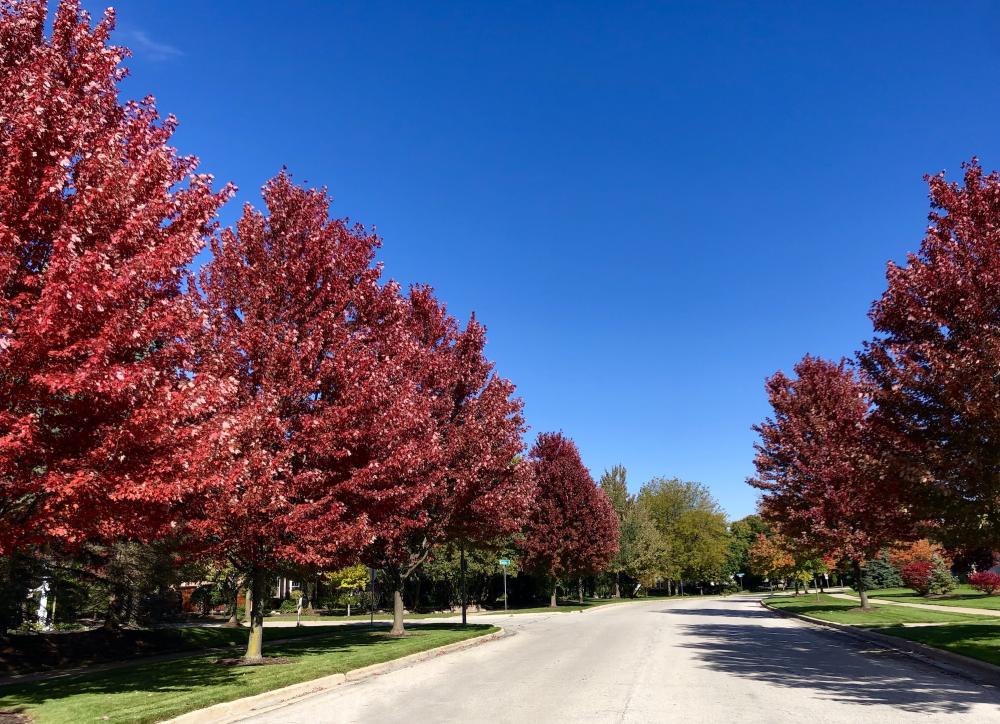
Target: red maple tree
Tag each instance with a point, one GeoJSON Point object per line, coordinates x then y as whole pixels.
{"type": "Point", "coordinates": [821, 462]}
{"type": "Point", "coordinates": [318, 437]}
{"type": "Point", "coordinates": [483, 489]}
{"type": "Point", "coordinates": [934, 364]}
{"type": "Point", "coordinates": [98, 219]}
{"type": "Point", "coordinates": [573, 528]}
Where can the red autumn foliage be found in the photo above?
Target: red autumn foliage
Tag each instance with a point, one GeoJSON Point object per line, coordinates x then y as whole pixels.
{"type": "Point", "coordinates": [98, 218]}
{"type": "Point", "coordinates": [319, 438]}
{"type": "Point", "coordinates": [935, 362]}
{"type": "Point", "coordinates": [483, 489]}
{"type": "Point", "coordinates": [987, 582]}
{"type": "Point", "coordinates": [573, 528]}
{"type": "Point", "coordinates": [820, 463]}
{"type": "Point", "coordinates": [917, 575]}
{"type": "Point", "coordinates": [920, 550]}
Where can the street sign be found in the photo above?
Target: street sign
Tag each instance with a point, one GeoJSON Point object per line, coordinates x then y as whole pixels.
{"type": "Point", "coordinates": [505, 561]}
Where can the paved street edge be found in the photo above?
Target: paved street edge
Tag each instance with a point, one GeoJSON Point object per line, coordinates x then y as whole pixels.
{"type": "Point", "coordinates": [939, 658]}
{"type": "Point", "coordinates": [231, 711]}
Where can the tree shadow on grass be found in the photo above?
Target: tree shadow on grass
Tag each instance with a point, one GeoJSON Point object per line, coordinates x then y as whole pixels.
{"type": "Point", "coordinates": [833, 667]}
{"type": "Point", "coordinates": [911, 598]}
{"type": "Point", "coordinates": [189, 674]}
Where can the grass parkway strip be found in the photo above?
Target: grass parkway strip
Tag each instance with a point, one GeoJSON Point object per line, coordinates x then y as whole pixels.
{"type": "Point", "coordinates": [971, 636]}
{"type": "Point", "coordinates": [156, 691]}
{"type": "Point", "coordinates": [846, 611]}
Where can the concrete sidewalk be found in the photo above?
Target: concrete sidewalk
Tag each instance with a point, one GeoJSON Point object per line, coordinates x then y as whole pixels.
{"type": "Point", "coordinates": [927, 606]}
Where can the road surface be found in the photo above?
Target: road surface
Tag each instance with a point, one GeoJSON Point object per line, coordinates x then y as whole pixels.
{"type": "Point", "coordinates": [697, 660]}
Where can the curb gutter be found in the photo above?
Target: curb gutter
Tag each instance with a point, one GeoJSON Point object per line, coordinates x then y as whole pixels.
{"type": "Point", "coordinates": [940, 658]}
{"type": "Point", "coordinates": [238, 709]}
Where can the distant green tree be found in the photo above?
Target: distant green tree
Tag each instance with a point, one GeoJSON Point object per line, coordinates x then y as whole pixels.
{"type": "Point", "coordinates": [742, 535]}
{"type": "Point", "coordinates": [613, 483]}
{"type": "Point", "coordinates": [644, 552]}
{"type": "Point", "coordinates": [693, 528]}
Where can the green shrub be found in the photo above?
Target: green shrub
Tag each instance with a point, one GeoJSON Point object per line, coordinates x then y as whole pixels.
{"type": "Point", "coordinates": [880, 573]}
{"type": "Point", "coordinates": [942, 581]}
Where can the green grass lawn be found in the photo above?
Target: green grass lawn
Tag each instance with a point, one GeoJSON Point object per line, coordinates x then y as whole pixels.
{"type": "Point", "coordinates": [839, 610]}
{"type": "Point", "coordinates": [964, 595]}
{"type": "Point", "coordinates": [21, 654]}
{"type": "Point", "coordinates": [155, 691]}
{"type": "Point", "coordinates": [979, 642]}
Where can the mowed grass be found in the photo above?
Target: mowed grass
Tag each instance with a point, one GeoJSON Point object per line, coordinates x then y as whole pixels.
{"type": "Point", "coordinates": [42, 652]}
{"type": "Point", "coordinates": [965, 595]}
{"type": "Point", "coordinates": [156, 691]}
{"type": "Point", "coordinates": [978, 642]}
{"type": "Point", "coordinates": [839, 610]}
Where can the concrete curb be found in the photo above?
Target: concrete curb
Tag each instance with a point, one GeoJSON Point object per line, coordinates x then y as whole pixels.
{"type": "Point", "coordinates": [238, 709]}
{"type": "Point", "coordinates": [940, 658]}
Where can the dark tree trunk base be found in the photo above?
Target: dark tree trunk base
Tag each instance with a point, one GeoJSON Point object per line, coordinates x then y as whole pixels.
{"type": "Point", "coordinates": [262, 661]}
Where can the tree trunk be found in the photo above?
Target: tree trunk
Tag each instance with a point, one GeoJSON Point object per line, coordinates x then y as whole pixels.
{"type": "Point", "coordinates": [234, 618]}
{"type": "Point", "coordinates": [248, 604]}
{"type": "Point", "coordinates": [579, 589]}
{"type": "Point", "coordinates": [309, 591]}
{"type": "Point", "coordinates": [111, 620]}
{"type": "Point", "coordinates": [860, 585]}
{"type": "Point", "coordinates": [552, 602]}
{"type": "Point", "coordinates": [255, 643]}
{"type": "Point", "coordinates": [397, 609]}
{"type": "Point", "coordinates": [618, 589]}
{"type": "Point", "coordinates": [465, 601]}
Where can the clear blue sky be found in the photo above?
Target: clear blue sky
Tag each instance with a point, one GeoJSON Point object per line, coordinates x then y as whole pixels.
{"type": "Point", "coordinates": [651, 207]}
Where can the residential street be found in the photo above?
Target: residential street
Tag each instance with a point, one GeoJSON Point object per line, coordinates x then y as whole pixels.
{"type": "Point", "coordinates": [687, 661]}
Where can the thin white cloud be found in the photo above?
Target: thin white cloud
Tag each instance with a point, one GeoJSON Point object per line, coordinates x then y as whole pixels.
{"type": "Point", "coordinates": [144, 46]}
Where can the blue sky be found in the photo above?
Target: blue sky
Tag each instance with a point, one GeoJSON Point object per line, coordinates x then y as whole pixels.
{"type": "Point", "coordinates": [651, 206]}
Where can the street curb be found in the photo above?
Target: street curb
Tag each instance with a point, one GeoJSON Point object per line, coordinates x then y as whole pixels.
{"type": "Point", "coordinates": [238, 709]}
{"type": "Point", "coordinates": [946, 660]}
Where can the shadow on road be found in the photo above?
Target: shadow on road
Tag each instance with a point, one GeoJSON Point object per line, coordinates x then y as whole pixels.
{"type": "Point", "coordinates": [832, 667]}
{"type": "Point", "coordinates": [724, 612]}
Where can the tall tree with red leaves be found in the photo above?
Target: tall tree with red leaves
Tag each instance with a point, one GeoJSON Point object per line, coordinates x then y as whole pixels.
{"type": "Point", "coordinates": [934, 365]}
{"type": "Point", "coordinates": [319, 437]}
{"type": "Point", "coordinates": [98, 219]}
{"type": "Point", "coordinates": [484, 488]}
{"type": "Point", "coordinates": [573, 528]}
{"type": "Point", "coordinates": [821, 462]}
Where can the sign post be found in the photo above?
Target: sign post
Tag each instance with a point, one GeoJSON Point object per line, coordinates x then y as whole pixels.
{"type": "Point", "coordinates": [740, 576]}
{"type": "Point", "coordinates": [504, 562]}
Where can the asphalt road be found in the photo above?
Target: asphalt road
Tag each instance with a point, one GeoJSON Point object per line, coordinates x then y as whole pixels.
{"type": "Point", "coordinates": [700, 660]}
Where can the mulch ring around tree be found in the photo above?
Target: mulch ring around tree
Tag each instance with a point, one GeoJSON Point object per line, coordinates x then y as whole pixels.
{"type": "Point", "coordinates": [11, 717]}
{"type": "Point", "coordinates": [239, 661]}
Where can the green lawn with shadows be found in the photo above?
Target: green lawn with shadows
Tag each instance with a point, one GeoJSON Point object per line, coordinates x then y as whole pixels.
{"type": "Point", "coordinates": [839, 610]}
{"type": "Point", "coordinates": [964, 595]}
{"type": "Point", "coordinates": [27, 653]}
{"type": "Point", "coordinates": [979, 642]}
{"type": "Point", "coordinates": [156, 691]}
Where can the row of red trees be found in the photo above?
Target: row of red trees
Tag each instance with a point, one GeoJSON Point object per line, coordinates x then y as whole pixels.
{"type": "Point", "coordinates": [903, 441]}
{"type": "Point", "coordinates": [284, 405]}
